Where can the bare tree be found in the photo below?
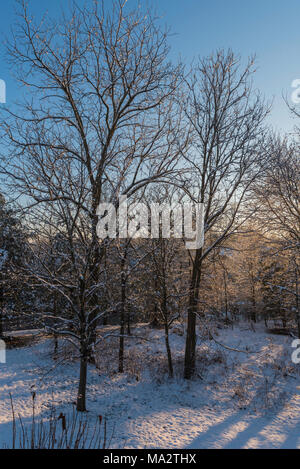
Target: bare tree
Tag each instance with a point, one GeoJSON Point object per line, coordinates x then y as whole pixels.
{"type": "Point", "coordinates": [225, 119]}
{"type": "Point", "coordinates": [99, 122]}
{"type": "Point", "coordinates": [165, 260]}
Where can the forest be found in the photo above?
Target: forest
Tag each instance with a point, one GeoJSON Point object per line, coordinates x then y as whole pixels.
{"type": "Point", "coordinates": [107, 113]}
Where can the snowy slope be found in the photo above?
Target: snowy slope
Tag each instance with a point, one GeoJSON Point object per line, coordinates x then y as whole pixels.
{"type": "Point", "coordinates": [238, 400]}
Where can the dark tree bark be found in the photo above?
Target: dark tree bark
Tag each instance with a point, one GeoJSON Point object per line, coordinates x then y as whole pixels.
{"type": "Point", "coordinates": [166, 318]}
{"type": "Point", "coordinates": [169, 353]}
{"type": "Point", "coordinates": [226, 134]}
{"type": "Point", "coordinates": [128, 323]}
{"type": "Point", "coordinates": [190, 345]}
{"type": "Point", "coordinates": [122, 313]}
{"type": "Point", "coordinates": [81, 397]}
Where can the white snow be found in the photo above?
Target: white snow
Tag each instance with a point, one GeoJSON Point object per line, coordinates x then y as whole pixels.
{"type": "Point", "coordinates": [244, 400]}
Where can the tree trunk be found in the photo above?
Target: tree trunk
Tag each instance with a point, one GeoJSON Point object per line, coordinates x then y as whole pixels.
{"type": "Point", "coordinates": [99, 254]}
{"type": "Point", "coordinates": [253, 311]}
{"type": "Point", "coordinates": [164, 308]}
{"type": "Point", "coordinates": [169, 354]}
{"type": "Point", "coordinates": [128, 323]}
{"type": "Point", "coordinates": [266, 322]}
{"type": "Point", "coordinates": [55, 336]}
{"type": "Point", "coordinates": [121, 344]}
{"type": "Point", "coordinates": [104, 320]}
{"type": "Point", "coordinates": [122, 316]}
{"type": "Point", "coordinates": [225, 294]}
{"type": "Point", "coordinates": [190, 345]}
{"type": "Point", "coordinates": [81, 398]}
{"type": "Point", "coordinates": [155, 322]}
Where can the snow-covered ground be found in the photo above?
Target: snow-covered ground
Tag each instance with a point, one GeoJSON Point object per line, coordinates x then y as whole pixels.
{"type": "Point", "coordinates": [238, 400]}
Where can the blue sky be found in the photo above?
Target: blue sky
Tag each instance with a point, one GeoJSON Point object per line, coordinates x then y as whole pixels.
{"type": "Point", "coordinates": [268, 28]}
